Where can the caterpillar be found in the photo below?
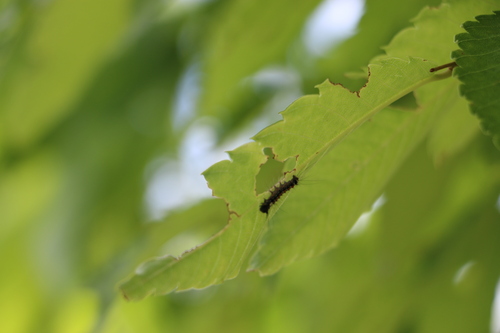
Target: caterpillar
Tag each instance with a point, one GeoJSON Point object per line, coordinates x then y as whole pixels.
{"type": "Point", "coordinates": [277, 192]}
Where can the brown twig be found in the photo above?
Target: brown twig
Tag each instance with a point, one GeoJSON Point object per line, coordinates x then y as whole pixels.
{"type": "Point", "coordinates": [450, 65]}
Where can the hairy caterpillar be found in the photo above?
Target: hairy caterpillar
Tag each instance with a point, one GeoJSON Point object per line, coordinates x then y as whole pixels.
{"type": "Point", "coordinates": [277, 192]}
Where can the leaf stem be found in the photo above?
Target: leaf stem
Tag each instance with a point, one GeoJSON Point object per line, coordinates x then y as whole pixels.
{"type": "Point", "coordinates": [449, 65]}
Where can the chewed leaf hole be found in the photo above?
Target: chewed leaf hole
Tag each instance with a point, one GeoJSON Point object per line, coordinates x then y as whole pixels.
{"type": "Point", "coordinates": [271, 172]}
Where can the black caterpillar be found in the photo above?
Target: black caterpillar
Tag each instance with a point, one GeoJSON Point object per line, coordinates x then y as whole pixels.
{"type": "Point", "coordinates": [277, 192]}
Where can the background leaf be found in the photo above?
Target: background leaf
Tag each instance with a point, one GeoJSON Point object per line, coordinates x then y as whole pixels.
{"type": "Point", "coordinates": [243, 28]}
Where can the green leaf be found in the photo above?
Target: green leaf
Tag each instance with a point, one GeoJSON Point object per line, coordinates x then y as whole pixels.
{"type": "Point", "coordinates": [479, 69]}
{"type": "Point", "coordinates": [332, 115]}
{"type": "Point", "coordinates": [326, 140]}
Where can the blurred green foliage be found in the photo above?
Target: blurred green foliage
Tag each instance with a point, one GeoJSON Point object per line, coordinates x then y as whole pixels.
{"type": "Point", "coordinates": [87, 95]}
